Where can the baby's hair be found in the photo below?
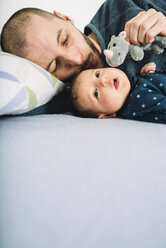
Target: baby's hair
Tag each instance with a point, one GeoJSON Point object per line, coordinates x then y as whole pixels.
{"type": "Point", "coordinates": [74, 102]}
{"type": "Point", "coordinates": [76, 112]}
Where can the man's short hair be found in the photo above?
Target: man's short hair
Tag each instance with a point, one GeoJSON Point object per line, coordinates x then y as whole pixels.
{"type": "Point", "coordinates": [14, 32]}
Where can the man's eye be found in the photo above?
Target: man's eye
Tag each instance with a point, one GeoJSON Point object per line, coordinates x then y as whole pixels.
{"type": "Point", "coordinates": [65, 41]}
{"type": "Point", "coordinates": [97, 74]}
{"type": "Point", "coordinates": [96, 93]}
{"type": "Point", "coordinates": [56, 66]}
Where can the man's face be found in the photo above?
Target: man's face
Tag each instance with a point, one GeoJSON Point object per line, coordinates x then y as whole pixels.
{"type": "Point", "coordinates": [60, 48]}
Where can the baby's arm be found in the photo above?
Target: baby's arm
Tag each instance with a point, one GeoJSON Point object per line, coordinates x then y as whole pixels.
{"type": "Point", "coordinates": [148, 68]}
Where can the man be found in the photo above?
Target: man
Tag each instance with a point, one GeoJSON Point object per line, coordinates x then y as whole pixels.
{"type": "Point", "coordinates": [51, 41]}
{"type": "Point", "coordinates": [54, 43]}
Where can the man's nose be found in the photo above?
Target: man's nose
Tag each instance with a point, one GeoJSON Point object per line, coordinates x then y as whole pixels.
{"type": "Point", "coordinates": [71, 58]}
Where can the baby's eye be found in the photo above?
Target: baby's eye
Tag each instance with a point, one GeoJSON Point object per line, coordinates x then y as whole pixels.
{"type": "Point", "coordinates": [97, 74]}
{"type": "Point", "coordinates": [96, 93]}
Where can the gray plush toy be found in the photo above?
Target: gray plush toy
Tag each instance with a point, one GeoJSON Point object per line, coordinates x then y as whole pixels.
{"type": "Point", "coordinates": [118, 49]}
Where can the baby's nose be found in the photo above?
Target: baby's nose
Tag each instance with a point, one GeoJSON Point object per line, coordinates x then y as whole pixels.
{"type": "Point", "coordinates": [103, 81]}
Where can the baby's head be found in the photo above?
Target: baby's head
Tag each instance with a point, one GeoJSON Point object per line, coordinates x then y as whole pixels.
{"type": "Point", "coordinates": [100, 92]}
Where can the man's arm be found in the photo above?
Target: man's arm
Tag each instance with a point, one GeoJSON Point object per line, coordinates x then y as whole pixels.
{"type": "Point", "coordinates": [145, 26]}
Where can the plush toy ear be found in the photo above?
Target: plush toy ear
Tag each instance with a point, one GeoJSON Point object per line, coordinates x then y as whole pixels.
{"type": "Point", "coordinates": [105, 116]}
{"type": "Point", "coordinates": [112, 37]}
{"type": "Point", "coordinates": [108, 53]}
{"type": "Point", "coordinates": [122, 35]}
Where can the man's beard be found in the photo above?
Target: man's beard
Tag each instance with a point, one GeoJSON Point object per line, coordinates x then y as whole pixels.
{"type": "Point", "coordinates": [94, 49]}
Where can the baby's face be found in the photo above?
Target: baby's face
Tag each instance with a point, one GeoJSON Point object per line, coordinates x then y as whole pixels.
{"type": "Point", "coordinates": [102, 91]}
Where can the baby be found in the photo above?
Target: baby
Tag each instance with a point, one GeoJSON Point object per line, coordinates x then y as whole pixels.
{"type": "Point", "coordinates": [108, 93]}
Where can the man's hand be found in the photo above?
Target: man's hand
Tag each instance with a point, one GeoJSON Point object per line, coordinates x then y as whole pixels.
{"type": "Point", "coordinates": [148, 68]}
{"type": "Point", "coordinates": [145, 26]}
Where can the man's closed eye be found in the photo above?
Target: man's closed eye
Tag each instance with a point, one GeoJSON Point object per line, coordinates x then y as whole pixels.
{"type": "Point", "coordinates": [65, 42]}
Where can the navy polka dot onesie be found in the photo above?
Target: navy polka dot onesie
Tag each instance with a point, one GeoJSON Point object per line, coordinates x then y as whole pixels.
{"type": "Point", "coordinates": [147, 99]}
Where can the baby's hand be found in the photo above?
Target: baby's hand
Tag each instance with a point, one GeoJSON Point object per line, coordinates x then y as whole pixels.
{"type": "Point", "coordinates": [148, 68]}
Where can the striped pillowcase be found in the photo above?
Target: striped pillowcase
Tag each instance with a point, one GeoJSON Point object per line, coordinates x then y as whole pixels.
{"type": "Point", "coordinates": [24, 85]}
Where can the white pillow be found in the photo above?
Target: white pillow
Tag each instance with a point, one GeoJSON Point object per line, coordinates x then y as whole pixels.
{"type": "Point", "coordinates": [24, 85]}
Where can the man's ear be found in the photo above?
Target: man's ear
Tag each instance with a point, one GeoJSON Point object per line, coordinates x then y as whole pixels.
{"type": "Point", "coordinates": [64, 17]}
{"type": "Point", "coordinates": [104, 116]}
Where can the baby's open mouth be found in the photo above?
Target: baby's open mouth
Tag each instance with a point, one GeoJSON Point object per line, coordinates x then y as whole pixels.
{"type": "Point", "coordinates": [116, 83]}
